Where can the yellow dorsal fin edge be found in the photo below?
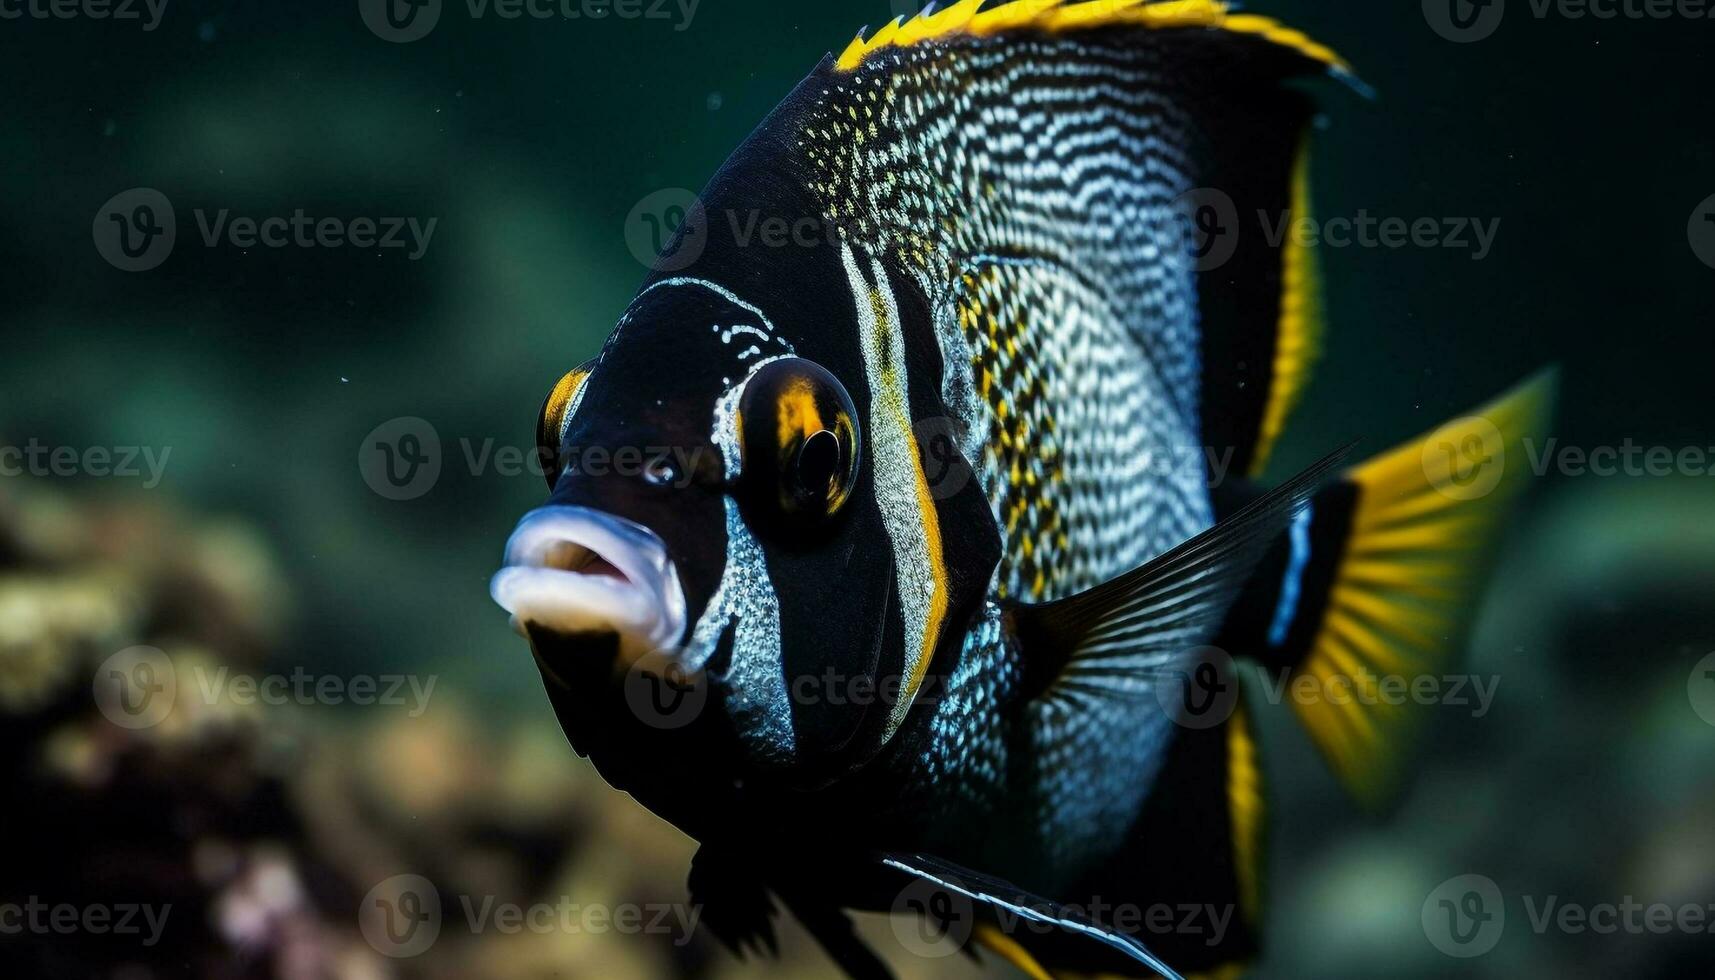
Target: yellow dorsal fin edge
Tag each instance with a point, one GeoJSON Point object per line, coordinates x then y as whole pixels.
{"type": "Point", "coordinates": [1298, 334]}
{"type": "Point", "coordinates": [965, 18]}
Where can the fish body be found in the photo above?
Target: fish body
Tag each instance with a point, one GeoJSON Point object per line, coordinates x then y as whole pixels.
{"type": "Point", "coordinates": [937, 514]}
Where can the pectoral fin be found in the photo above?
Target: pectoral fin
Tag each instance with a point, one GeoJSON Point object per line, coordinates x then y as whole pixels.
{"type": "Point", "coordinates": [1137, 627]}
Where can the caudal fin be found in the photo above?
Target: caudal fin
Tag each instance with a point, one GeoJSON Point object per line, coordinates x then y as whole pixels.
{"type": "Point", "coordinates": [1377, 580]}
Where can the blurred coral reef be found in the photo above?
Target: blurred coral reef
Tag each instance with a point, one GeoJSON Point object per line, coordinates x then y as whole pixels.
{"type": "Point", "coordinates": [262, 826]}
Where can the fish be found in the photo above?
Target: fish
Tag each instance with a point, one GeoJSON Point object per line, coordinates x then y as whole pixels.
{"type": "Point", "coordinates": [900, 567]}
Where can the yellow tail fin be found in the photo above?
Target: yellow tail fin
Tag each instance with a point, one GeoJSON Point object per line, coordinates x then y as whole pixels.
{"type": "Point", "coordinates": [1401, 597]}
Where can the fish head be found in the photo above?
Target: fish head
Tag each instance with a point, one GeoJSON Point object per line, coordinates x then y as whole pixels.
{"type": "Point", "coordinates": [743, 555]}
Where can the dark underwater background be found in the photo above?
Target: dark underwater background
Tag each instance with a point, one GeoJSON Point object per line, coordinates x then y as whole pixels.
{"type": "Point", "coordinates": [532, 143]}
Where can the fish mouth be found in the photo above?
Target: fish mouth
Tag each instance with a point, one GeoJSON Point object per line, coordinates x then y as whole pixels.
{"type": "Point", "coordinates": [574, 571]}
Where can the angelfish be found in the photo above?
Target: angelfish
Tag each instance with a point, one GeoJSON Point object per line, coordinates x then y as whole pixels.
{"type": "Point", "coordinates": [946, 532]}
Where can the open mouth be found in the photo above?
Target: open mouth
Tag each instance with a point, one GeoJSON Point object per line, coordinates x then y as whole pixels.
{"type": "Point", "coordinates": [573, 571]}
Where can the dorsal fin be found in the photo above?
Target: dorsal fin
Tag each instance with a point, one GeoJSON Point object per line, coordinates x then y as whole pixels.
{"type": "Point", "coordinates": [967, 17]}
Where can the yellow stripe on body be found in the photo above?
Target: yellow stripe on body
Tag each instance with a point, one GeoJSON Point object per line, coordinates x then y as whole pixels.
{"type": "Point", "coordinates": [1008, 948]}
{"type": "Point", "coordinates": [901, 487]}
{"type": "Point", "coordinates": [1060, 16]}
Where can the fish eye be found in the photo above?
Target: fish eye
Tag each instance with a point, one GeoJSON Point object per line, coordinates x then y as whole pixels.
{"type": "Point", "coordinates": [551, 425]}
{"type": "Point", "coordinates": [798, 440]}
{"type": "Point", "coordinates": [817, 465]}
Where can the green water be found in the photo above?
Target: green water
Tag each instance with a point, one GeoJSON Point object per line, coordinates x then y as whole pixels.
{"type": "Point", "coordinates": [1583, 143]}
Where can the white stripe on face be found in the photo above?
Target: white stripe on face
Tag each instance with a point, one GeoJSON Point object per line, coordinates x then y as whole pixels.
{"type": "Point", "coordinates": [758, 703]}
{"type": "Point", "coordinates": [901, 491]}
